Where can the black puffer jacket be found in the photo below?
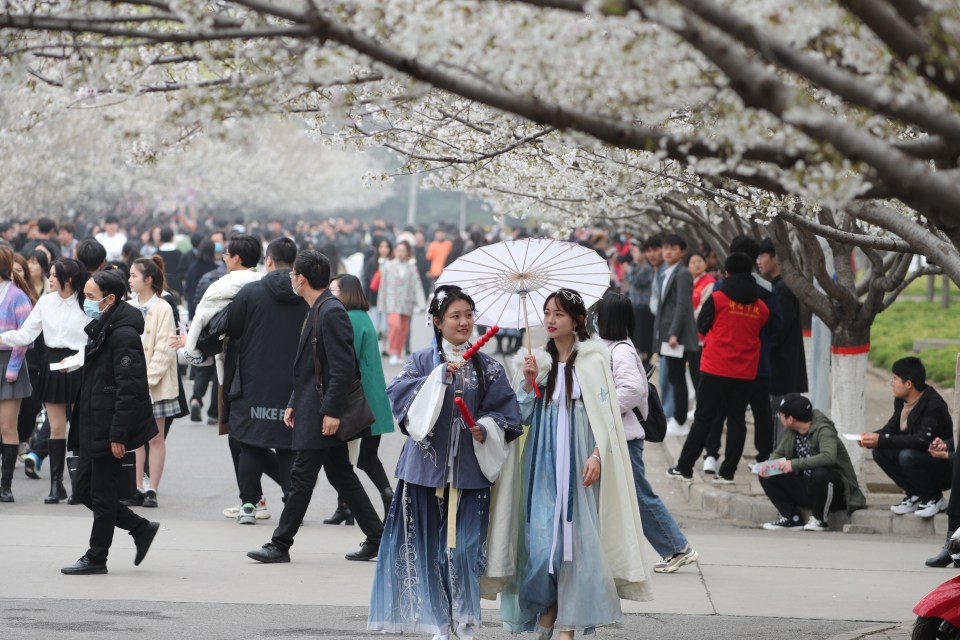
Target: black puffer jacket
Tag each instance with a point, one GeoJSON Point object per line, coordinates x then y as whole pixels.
{"type": "Point", "coordinates": [114, 402]}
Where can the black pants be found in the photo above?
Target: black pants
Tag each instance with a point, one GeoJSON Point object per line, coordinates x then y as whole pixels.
{"type": "Point", "coordinates": [96, 488]}
{"type": "Point", "coordinates": [693, 360]}
{"type": "Point", "coordinates": [29, 408]}
{"type": "Point", "coordinates": [821, 493]}
{"type": "Point", "coordinates": [202, 378]}
{"type": "Point", "coordinates": [677, 376]}
{"type": "Point", "coordinates": [759, 401]}
{"type": "Point", "coordinates": [253, 462]}
{"type": "Point", "coordinates": [915, 471]}
{"type": "Point", "coordinates": [271, 464]}
{"type": "Point", "coordinates": [369, 462]}
{"type": "Point", "coordinates": [953, 507]}
{"type": "Point", "coordinates": [303, 478]}
{"type": "Point", "coordinates": [721, 398]}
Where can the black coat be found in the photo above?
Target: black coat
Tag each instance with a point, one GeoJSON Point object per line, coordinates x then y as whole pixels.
{"type": "Point", "coordinates": [114, 401]}
{"type": "Point", "coordinates": [335, 350]}
{"type": "Point", "coordinates": [929, 419]}
{"type": "Point", "coordinates": [789, 363]}
{"type": "Point", "coordinates": [264, 322]}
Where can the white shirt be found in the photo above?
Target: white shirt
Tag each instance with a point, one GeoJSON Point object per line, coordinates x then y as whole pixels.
{"type": "Point", "coordinates": [666, 278]}
{"type": "Point", "coordinates": [60, 319]}
{"type": "Point", "coordinates": [113, 244]}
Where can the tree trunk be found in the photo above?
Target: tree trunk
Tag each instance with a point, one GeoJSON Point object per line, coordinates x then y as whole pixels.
{"type": "Point", "coordinates": [848, 389]}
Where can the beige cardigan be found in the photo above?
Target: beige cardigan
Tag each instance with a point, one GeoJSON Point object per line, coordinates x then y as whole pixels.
{"type": "Point", "coordinates": [161, 358]}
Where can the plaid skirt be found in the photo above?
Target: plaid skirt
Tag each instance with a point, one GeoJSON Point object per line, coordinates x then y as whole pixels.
{"type": "Point", "coordinates": [166, 408]}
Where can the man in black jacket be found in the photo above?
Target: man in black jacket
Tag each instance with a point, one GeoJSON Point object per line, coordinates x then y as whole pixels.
{"type": "Point", "coordinates": [788, 373]}
{"type": "Point", "coordinates": [264, 322]}
{"type": "Point", "coordinates": [315, 419]}
{"type": "Point", "coordinates": [901, 447]}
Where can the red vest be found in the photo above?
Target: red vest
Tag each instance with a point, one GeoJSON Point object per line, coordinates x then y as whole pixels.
{"type": "Point", "coordinates": [732, 346]}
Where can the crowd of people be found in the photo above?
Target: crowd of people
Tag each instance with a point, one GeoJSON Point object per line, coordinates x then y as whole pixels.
{"type": "Point", "coordinates": [93, 328]}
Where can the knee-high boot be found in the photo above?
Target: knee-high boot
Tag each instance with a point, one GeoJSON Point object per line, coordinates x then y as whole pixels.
{"type": "Point", "coordinates": [58, 457]}
{"type": "Point", "coordinates": [8, 459]}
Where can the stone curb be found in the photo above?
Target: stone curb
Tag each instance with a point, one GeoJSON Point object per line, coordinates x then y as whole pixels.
{"type": "Point", "coordinates": [899, 631]}
{"type": "Point", "coordinates": [714, 500]}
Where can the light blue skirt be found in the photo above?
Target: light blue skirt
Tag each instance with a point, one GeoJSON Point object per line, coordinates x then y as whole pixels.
{"type": "Point", "coordinates": [582, 587]}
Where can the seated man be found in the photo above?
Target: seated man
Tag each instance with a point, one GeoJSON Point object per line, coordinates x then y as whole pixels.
{"type": "Point", "coordinates": [901, 447]}
{"type": "Point", "coordinates": [816, 470]}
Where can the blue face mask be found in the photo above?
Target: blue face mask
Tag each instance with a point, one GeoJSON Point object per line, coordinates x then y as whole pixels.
{"type": "Point", "coordinates": [92, 308]}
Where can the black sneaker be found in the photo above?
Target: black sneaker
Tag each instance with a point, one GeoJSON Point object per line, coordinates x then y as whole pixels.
{"type": "Point", "coordinates": [150, 498]}
{"type": "Point", "coordinates": [195, 408]}
{"type": "Point", "coordinates": [782, 523]}
{"type": "Point", "coordinates": [136, 500]}
{"type": "Point", "coordinates": [676, 474]}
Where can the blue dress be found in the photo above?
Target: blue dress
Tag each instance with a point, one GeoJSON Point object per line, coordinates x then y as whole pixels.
{"type": "Point", "coordinates": [559, 558]}
{"type": "Point", "coordinates": [427, 578]}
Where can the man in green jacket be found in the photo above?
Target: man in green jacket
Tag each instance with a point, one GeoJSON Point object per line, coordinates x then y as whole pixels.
{"type": "Point", "coordinates": [810, 469]}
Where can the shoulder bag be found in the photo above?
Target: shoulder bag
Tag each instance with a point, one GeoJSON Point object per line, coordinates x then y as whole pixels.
{"type": "Point", "coordinates": [357, 415]}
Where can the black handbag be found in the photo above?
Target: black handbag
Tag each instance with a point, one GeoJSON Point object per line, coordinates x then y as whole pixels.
{"type": "Point", "coordinates": [127, 482]}
{"type": "Point", "coordinates": [357, 416]}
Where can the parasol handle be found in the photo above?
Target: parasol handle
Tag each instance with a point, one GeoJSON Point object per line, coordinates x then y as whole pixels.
{"type": "Point", "coordinates": [526, 322]}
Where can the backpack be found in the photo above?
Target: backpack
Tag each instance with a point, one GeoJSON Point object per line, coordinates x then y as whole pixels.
{"type": "Point", "coordinates": [655, 424]}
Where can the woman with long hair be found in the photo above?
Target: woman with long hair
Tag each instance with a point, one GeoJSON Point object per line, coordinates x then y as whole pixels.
{"type": "Point", "coordinates": [110, 424]}
{"type": "Point", "coordinates": [433, 549]}
{"type": "Point", "coordinates": [579, 546]}
{"type": "Point", "coordinates": [146, 284]}
{"type": "Point", "coordinates": [349, 291]}
{"type": "Point", "coordinates": [15, 308]}
{"type": "Point", "coordinates": [30, 406]}
{"type": "Point", "coordinates": [38, 268]}
{"type": "Point", "coordinates": [372, 282]}
{"type": "Point", "coordinates": [615, 322]}
{"type": "Point", "coordinates": [400, 294]}
{"type": "Point", "coordinates": [59, 317]}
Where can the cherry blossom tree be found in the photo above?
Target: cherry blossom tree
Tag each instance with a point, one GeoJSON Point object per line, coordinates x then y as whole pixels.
{"type": "Point", "coordinates": [836, 117]}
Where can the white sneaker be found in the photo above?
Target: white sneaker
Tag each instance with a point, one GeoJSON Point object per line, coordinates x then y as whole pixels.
{"type": "Point", "coordinates": [231, 512]}
{"type": "Point", "coordinates": [709, 464]}
{"type": "Point", "coordinates": [395, 361]}
{"type": "Point", "coordinates": [907, 505]}
{"type": "Point", "coordinates": [815, 524]}
{"type": "Point", "coordinates": [930, 508]}
{"type": "Point", "coordinates": [262, 512]}
{"type": "Point", "coordinates": [674, 428]}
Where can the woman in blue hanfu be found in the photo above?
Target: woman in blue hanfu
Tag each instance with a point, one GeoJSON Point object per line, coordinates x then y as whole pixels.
{"type": "Point", "coordinates": [434, 545]}
{"type": "Point", "coordinates": [579, 534]}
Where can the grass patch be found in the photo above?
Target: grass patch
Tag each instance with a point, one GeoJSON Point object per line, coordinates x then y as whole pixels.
{"type": "Point", "coordinates": [918, 288]}
{"type": "Point", "coordinates": [894, 331]}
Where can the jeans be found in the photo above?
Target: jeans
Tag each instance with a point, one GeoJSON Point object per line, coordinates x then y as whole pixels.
{"type": "Point", "coordinates": [915, 471]}
{"type": "Point", "coordinates": [666, 390]}
{"type": "Point", "coordinates": [659, 527]}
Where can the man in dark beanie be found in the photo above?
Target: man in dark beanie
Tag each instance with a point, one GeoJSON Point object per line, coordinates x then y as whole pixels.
{"type": "Point", "coordinates": [920, 414]}
{"type": "Point", "coordinates": [809, 469]}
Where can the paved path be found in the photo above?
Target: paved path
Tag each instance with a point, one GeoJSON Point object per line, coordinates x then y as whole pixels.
{"type": "Point", "coordinates": [749, 583]}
